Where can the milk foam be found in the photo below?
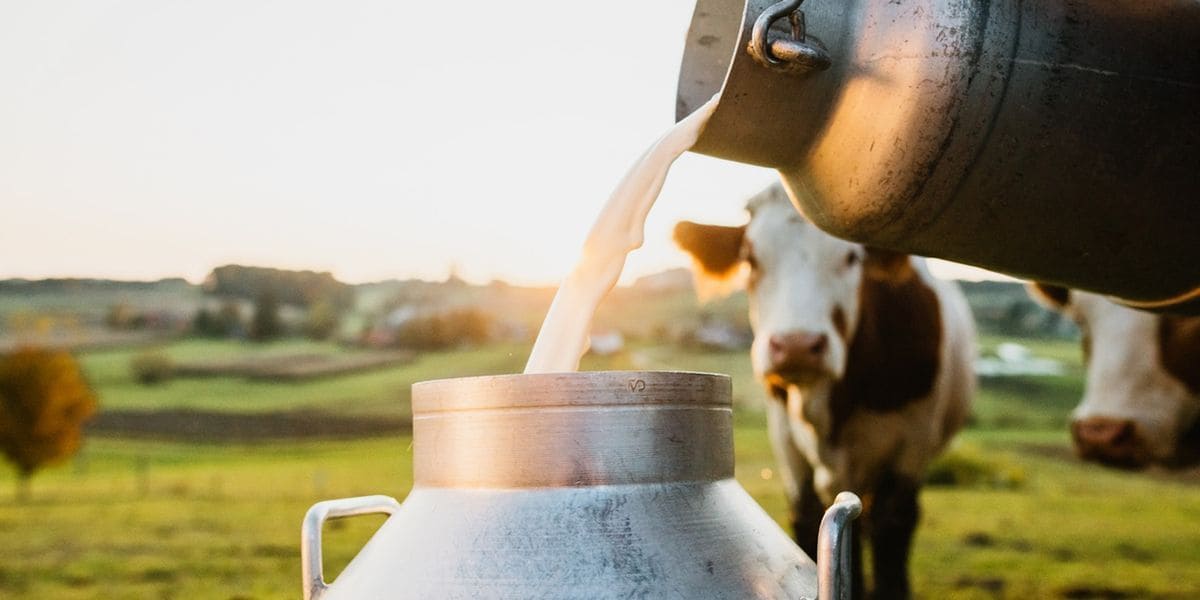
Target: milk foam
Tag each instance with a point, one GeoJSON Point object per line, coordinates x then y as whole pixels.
{"type": "Point", "coordinates": [618, 230]}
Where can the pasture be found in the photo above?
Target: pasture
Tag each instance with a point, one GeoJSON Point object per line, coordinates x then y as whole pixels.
{"type": "Point", "coordinates": [1016, 517]}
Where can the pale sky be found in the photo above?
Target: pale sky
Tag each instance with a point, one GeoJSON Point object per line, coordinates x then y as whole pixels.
{"type": "Point", "coordinates": [375, 139]}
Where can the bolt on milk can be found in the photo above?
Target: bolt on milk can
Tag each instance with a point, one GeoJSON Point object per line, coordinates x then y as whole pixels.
{"type": "Point", "coordinates": [576, 485]}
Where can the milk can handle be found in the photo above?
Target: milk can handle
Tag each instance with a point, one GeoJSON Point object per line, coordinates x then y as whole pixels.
{"type": "Point", "coordinates": [797, 55]}
{"type": "Point", "coordinates": [311, 569]}
{"type": "Point", "coordinates": [833, 548]}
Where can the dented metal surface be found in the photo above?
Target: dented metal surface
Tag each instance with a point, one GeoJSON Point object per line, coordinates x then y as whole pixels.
{"type": "Point", "coordinates": [1050, 140]}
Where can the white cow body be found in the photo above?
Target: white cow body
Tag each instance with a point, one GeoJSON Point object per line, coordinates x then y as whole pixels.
{"type": "Point", "coordinates": [904, 441]}
{"type": "Point", "coordinates": [867, 359]}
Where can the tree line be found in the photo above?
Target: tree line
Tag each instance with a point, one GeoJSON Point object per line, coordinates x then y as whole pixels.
{"type": "Point", "coordinates": [300, 288]}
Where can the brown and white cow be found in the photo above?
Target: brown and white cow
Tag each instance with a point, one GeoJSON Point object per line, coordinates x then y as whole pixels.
{"type": "Point", "coordinates": [1141, 402]}
{"type": "Point", "coordinates": [868, 361]}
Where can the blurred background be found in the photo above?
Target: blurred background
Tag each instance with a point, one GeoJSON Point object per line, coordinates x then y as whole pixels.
{"type": "Point", "coordinates": [250, 228]}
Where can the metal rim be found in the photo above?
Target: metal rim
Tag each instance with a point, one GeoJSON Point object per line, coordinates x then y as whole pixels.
{"type": "Point", "coordinates": [575, 389]}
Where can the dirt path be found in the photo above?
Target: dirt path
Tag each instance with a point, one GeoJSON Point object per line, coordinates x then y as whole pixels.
{"type": "Point", "coordinates": [222, 427]}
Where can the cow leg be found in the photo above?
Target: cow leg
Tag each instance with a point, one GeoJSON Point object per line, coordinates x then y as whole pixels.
{"type": "Point", "coordinates": [807, 511]}
{"type": "Point", "coordinates": [806, 508]}
{"type": "Point", "coordinates": [893, 520]}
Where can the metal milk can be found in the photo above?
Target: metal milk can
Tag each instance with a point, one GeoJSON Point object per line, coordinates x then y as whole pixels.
{"type": "Point", "coordinates": [1053, 140]}
{"type": "Point", "coordinates": [576, 485]}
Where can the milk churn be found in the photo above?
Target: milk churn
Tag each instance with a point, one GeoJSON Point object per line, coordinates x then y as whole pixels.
{"type": "Point", "coordinates": [1054, 140]}
{"type": "Point", "coordinates": [577, 485]}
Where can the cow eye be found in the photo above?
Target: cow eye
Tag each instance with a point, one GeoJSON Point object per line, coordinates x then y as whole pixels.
{"type": "Point", "coordinates": [851, 258]}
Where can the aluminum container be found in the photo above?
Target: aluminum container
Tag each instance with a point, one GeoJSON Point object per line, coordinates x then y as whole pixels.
{"type": "Point", "coordinates": [576, 485]}
{"type": "Point", "coordinates": [1057, 141]}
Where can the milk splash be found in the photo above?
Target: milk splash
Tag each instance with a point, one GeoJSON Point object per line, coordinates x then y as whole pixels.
{"type": "Point", "coordinates": [618, 230]}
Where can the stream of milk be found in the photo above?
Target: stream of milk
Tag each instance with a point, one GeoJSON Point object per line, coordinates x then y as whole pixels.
{"type": "Point", "coordinates": [618, 230]}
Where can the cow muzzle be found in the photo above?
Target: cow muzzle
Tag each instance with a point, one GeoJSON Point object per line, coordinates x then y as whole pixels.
{"type": "Point", "coordinates": [797, 357]}
{"type": "Point", "coordinates": [1111, 441]}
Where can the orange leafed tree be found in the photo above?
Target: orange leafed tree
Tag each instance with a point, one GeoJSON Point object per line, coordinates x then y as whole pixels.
{"type": "Point", "coordinates": [44, 403]}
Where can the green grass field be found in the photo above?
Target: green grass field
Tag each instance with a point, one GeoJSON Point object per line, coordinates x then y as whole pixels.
{"type": "Point", "coordinates": [163, 519]}
{"type": "Point", "coordinates": [383, 391]}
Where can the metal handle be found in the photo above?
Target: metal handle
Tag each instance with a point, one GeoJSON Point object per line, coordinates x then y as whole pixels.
{"type": "Point", "coordinates": [833, 548]}
{"type": "Point", "coordinates": [311, 569]}
{"type": "Point", "coordinates": [795, 55]}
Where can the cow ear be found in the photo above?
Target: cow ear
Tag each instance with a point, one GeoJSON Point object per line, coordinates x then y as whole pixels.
{"type": "Point", "coordinates": [888, 265]}
{"type": "Point", "coordinates": [717, 259]}
{"type": "Point", "coordinates": [1051, 296]}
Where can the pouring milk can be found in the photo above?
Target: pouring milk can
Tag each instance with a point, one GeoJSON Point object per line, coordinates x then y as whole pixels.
{"type": "Point", "coordinates": [577, 485]}
{"type": "Point", "coordinates": [1057, 141]}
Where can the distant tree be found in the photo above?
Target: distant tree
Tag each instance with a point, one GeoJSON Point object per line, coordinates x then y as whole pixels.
{"type": "Point", "coordinates": [204, 323]}
{"type": "Point", "coordinates": [266, 324]}
{"type": "Point", "coordinates": [44, 403]}
{"type": "Point", "coordinates": [299, 288]}
{"type": "Point", "coordinates": [151, 367]}
{"type": "Point", "coordinates": [451, 329]}
{"type": "Point", "coordinates": [123, 316]}
{"type": "Point", "coordinates": [222, 323]}
{"type": "Point", "coordinates": [322, 320]}
{"type": "Point", "coordinates": [470, 326]}
{"type": "Point", "coordinates": [229, 319]}
{"type": "Point", "coordinates": [454, 279]}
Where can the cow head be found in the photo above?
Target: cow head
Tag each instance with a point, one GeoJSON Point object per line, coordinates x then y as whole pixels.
{"type": "Point", "coordinates": [1141, 404]}
{"type": "Point", "coordinates": [803, 287]}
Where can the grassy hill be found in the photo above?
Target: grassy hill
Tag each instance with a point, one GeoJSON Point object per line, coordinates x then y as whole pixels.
{"type": "Point", "coordinates": [215, 516]}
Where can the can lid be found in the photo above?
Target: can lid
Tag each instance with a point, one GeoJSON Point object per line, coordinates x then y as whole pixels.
{"type": "Point", "coordinates": [572, 429]}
